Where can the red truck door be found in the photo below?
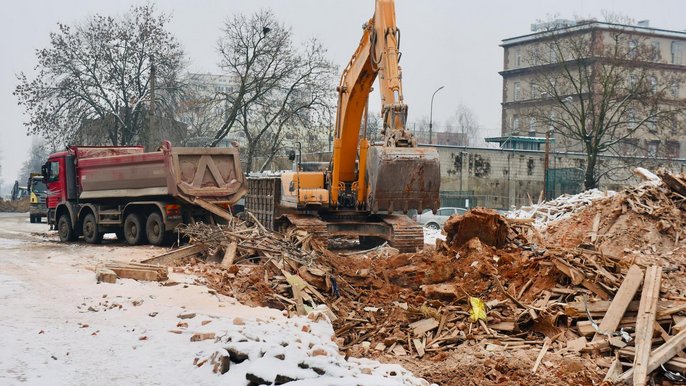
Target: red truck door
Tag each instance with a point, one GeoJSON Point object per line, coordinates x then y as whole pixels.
{"type": "Point", "coordinates": [54, 172]}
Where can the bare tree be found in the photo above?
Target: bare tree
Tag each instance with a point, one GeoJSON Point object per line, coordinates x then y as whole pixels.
{"type": "Point", "coordinates": [464, 122]}
{"type": "Point", "coordinates": [97, 74]}
{"type": "Point", "coordinates": [37, 156]}
{"type": "Point", "coordinates": [599, 86]}
{"type": "Point", "coordinates": [282, 91]}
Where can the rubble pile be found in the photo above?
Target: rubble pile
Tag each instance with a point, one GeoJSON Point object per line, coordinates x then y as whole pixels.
{"type": "Point", "coordinates": [605, 280]}
{"type": "Point", "coordinates": [565, 206]}
{"type": "Point", "coordinates": [14, 206]}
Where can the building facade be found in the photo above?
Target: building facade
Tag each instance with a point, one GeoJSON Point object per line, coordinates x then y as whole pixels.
{"type": "Point", "coordinates": [540, 96]}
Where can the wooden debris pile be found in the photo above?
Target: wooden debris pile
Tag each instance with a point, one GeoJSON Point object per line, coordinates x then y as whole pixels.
{"type": "Point", "coordinates": [497, 284]}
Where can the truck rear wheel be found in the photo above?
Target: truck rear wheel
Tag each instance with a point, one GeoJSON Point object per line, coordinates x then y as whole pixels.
{"type": "Point", "coordinates": [64, 228]}
{"type": "Point", "coordinates": [154, 229]}
{"type": "Point", "coordinates": [32, 218]}
{"type": "Point", "coordinates": [91, 233]}
{"type": "Point", "coordinates": [133, 229]}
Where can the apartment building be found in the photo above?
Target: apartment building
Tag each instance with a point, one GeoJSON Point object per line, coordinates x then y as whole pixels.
{"type": "Point", "coordinates": [562, 72]}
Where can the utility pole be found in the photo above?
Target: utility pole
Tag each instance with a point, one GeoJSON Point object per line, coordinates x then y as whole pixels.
{"type": "Point", "coordinates": [151, 114]}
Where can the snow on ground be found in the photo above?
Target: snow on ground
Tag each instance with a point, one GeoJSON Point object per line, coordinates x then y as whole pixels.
{"type": "Point", "coordinates": [59, 327]}
{"type": "Point", "coordinates": [431, 235]}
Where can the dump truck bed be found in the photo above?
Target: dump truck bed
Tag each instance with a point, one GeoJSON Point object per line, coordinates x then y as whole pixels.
{"type": "Point", "coordinates": [213, 174]}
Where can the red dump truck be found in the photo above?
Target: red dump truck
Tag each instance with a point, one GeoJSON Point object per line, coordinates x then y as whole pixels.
{"type": "Point", "coordinates": [141, 197]}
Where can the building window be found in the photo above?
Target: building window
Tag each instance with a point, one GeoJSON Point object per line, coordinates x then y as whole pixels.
{"type": "Point", "coordinates": [517, 91]}
{"type": "Point", "coordinates": [653, 84]}
{"type": "Point", "coordinates": [633, 48]}
{"type": "Point", "coordinates": [518, 57]}
{"type": "Point", "coordinates": [633, 81]}
{"type": "Point", "coordinates": [651, 123]}
{"type": "Point", "coordinates": [535, 93]}
{"type": "Point", "coordinates": [532, 126]}
{"type": "Point", "coordinates": [552, 118]}
{"type": "Point", "coordinates": [655, 45]}
{"type": "Point", "coordinates": [677, 53]}
{"type": "Point", "coordinates": [674, 88]}
{"type": "Point", "coordinates": [652, 148]}
{"type": "Point", "coordinates": [515, 123]}
{"type": "Point", "coordinates": [553, 54]}
{"type": "Point", "coordinates": [631, 119]}
{"type": "Point", "coordinates": [673, 149]}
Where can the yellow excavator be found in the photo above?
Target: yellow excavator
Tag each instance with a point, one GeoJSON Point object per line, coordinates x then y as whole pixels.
{"type": "Point", "coordinates": [357, 192]}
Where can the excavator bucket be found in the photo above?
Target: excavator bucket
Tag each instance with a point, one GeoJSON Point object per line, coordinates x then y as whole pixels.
{"type": "Point", "coordinates": [403, 178]}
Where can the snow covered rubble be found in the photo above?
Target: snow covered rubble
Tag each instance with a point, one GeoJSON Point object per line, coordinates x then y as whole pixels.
{"type": "Point", "coordinates": [563, 207]}
{"type": "Point", "coordinates": [298, 351]}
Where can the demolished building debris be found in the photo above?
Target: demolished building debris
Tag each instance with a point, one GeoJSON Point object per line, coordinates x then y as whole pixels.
{"type": "Point", "coordinates": [603, 286]}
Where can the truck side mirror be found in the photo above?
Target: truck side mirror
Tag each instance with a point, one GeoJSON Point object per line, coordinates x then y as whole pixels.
{"type": "Point", "coordinates": [291, 155]}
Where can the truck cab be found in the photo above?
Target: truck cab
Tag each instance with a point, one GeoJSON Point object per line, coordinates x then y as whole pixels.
{"type": "Point", "coordinates": [37, 193]}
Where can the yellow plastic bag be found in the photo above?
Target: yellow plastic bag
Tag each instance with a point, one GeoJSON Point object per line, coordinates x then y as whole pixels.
{"type": "Point", "coordinates": [477, 310]}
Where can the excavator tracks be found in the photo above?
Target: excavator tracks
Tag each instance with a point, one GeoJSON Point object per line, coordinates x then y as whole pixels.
{"type": "Point", "coordinates": [401, 232]}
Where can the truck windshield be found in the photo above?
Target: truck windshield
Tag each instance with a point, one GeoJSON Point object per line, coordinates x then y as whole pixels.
{"type": "Point", "coordinates": [38, 187]}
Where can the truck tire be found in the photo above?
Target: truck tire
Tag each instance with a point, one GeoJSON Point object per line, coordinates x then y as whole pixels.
{"type": "Point", "coordinates": [154, 229]}
{"type": "Point", "coordinates": [91, 232]}
{"type": "Point", "coordinates": [32, 219]}
{"type": "Point", "coordinates": [134, 232]}
{"type": "Point", "coordinates": [64, 228]}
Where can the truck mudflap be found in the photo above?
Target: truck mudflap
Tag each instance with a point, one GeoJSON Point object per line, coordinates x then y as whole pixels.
{"type": "Point", "coordinates": [403, 178]}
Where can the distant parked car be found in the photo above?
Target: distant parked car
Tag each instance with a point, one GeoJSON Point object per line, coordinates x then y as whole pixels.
{"type": "Point", "coordinates": [436, 221]}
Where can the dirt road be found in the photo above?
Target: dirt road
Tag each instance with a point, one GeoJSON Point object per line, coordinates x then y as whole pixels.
{"type": "Point", "coordinates": [58, 326]}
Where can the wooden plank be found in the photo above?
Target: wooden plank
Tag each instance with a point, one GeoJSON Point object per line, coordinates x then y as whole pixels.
{"type": "Point", "coordinates": [666, 337]}
{"type": "Point", "coordinates": [105, 275]}
{"type": "Point", "coordinates": [619, 304]}
{"type": "Point", "coordinates": [645, 321]}
{"type": "Point", "coordinates": [541, 354]}
{"type": "Point", "coordinates": [578, 277]}
{"type": "Point", "coordinates": [208, 206]}
{"type": "Point", "coordinates": [613, 372]}
{"type": "Point", "coordinates": [596, 226]}
{"type": "Point", "coordinates": [674, 364]}
{"type": "Point", "coordinates": [424, 325]}
{"type": "Point", "coordinates": [661, 355]}
{"type": "Point", "coordinates": [585, 327]}
{"type": "Point", "coordinates": [419, 346]}
{"type": "Point", "coordinates": [229, 255]}
{"type": "Point", "coordinates": [138, 273]}
{"type": "Point", "coordinates": [680, 326]}
{"type": "Point", "coordinates": [168, 258]}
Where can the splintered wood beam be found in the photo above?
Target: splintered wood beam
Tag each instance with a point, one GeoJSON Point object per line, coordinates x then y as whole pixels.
{"type": "Point", "coordinates": [619, 304]}
{"type": "Point", "coordinates": [647, 311]}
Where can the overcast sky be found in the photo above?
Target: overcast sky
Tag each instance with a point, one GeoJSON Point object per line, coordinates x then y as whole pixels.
{"type": "Point", "coordinates": [444, 43]}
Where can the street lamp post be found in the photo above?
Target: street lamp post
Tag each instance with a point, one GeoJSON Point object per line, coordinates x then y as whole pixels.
{"type": "Point", "coordinates": [431, 113]}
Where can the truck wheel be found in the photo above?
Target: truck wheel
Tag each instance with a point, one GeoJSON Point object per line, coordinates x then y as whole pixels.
{"type": "Point", "coordinates": [64, 228]}
{"type": "Point", "coordinates": [133, 229]}
{"type": "Point", "coordinates": [32, 219]}
{"type": "Point", "coordinates": [91, 233]}
{"type": "Point", "coordinates": [154, 229]}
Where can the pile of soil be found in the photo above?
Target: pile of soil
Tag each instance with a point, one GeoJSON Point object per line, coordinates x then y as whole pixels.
{"type": "Point", "coordinates": [14, 206]}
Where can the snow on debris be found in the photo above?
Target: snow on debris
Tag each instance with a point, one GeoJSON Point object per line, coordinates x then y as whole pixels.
{"type": "Point", "coordinates": [560, 208]}
{"type": "Point", "coordinates": [299, 351]}
{"type": "Point", "coordinates": [431, 235]}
